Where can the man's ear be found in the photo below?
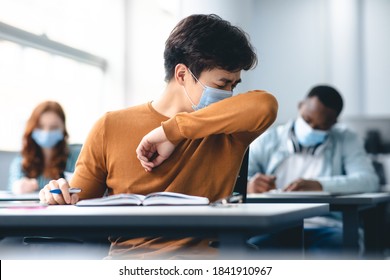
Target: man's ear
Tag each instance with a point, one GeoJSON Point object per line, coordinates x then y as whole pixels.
{"type": "Point", "coordinates": [180, 72]}
{"type": "Point", "coordinates": [300, 105]}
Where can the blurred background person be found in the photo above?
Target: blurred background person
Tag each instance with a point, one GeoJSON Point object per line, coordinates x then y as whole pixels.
{"type": "Point", "coordinates": [312, 153]}
{"type": "Point", "coordinates": [45, 153]}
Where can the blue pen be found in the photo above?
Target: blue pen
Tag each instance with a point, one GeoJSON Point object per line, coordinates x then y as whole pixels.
{"type": "Point", "coordinates": [71, 190]}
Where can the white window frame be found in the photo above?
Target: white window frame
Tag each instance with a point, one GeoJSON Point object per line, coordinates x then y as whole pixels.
{"type": "Point", "coordinates": [24, 38]}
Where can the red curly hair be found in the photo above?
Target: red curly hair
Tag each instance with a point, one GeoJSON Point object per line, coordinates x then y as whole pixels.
{"type": "Point", "coordinates": [33, 163]}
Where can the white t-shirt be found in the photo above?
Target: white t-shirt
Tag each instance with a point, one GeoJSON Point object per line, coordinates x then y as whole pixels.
{"type": "Point", "coordinates": [299, 165]}
{"type": "Point", "coordinates": [306, 166]}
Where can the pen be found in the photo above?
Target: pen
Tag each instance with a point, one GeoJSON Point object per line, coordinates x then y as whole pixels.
{"type": "Point", "coordinates": [235, 198]}
{"type": "Point", "coordinates": [71, 190]}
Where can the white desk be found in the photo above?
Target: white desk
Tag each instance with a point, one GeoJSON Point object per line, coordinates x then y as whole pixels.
{"type": "Point", "coordinates": [9, 196]}
{"type": "Point", "coordinates": [233, 224]}
{"type": "Point", "coordinates": [367, 209]}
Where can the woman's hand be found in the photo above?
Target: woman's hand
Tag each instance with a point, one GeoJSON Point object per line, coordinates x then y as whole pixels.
{"type": "Point", "coordinates": [25, 185]}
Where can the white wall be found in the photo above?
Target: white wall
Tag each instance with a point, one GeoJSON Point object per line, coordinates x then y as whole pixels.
{"type": "Point", "coordinates": [291, 41]}
{"type": "Point", "coordinates": [377, 57]}
{"type": "Point", "coordinates": [148, 26]}
{"type": "Point", "coordinates": [300, 43]}
{"type": "Point", "coordinates": [346, 55]}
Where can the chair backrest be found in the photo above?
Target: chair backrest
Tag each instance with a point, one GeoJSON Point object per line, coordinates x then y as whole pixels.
{"type": "Point", "coordinates": [380, 172]}
{"type": "Point", "coordinates": [75, 148]}
{"type": "Point", "coordinates": [6, 158]}
{"type": "Point", "coordinates": [242, 179]}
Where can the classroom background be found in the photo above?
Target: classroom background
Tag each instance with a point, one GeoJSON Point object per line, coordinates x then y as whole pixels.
{"type": "Point", "coordinates": [99, 55]}
{"type": "Point", "coordinates": [95, 56]}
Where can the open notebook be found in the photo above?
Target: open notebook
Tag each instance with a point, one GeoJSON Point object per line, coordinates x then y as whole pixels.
{"type": "Point", "coordinates": [157, 198]}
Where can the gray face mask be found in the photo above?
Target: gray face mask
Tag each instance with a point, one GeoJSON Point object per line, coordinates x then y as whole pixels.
{"type": "Point", "coordinates": [210, 95]}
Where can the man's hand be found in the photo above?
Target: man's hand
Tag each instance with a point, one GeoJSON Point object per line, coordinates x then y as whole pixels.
{"type": "Point", "coordinates": [154, 149]}
{"type": "Point", "coordinates": [261, 183]}
{"type": "Point", "coordinates": [45, 196]}
{"type": "Point", "coordinates": [303, 185]}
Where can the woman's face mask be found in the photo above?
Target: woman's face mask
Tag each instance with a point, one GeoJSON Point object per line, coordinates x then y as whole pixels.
{"type": "Point", "coordinates": [209, 95]}
{"type": "Point", "coordinates": [47, 138]}
{"type": "Point", "coordinates": [306, 135]}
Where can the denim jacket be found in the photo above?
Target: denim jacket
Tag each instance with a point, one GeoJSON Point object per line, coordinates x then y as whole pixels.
{"type": "Point", "coordinates": [347, 167]}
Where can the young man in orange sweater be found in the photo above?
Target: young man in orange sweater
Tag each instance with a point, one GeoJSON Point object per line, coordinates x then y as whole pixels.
{"type": "Point", "coordinates": [191, 140]}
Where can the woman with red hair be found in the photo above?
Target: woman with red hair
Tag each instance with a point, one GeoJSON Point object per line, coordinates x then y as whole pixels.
{"type": "Point", "coordinates": [45, 154]}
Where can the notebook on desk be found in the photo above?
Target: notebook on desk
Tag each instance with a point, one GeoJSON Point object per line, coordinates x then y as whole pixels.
{"type": "Point", "coordinates": [157, 198]}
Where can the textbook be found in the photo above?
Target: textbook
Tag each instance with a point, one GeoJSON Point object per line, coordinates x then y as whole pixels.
{"type": "Point", "coordinates": [157, 198]}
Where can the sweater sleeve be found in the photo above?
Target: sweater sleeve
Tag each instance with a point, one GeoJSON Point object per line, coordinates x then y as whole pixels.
{"type": "Point", "coordinates": [245, 115]}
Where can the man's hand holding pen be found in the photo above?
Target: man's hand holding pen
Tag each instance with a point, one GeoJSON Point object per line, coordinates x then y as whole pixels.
{"type": "Point", "coordinates": [59, 192]}
{"type": "Point", "coordinates": [261, 183]}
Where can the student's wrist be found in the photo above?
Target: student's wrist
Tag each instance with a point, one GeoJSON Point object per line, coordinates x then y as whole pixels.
{"type": "Point", "coordinates": [172, 131]}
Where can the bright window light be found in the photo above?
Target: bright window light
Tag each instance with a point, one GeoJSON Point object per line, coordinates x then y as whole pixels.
{"type": "Point", "coordinates": [30, 75]}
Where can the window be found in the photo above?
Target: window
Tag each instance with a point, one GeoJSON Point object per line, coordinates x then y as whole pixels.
{"type": "Point", "coordinates": [67, 51]}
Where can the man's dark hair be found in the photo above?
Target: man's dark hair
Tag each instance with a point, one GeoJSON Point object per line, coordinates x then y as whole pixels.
{"type": "Point", "coordinates": [328, 96]}
{"type": "Point", "coordinates": [205, 42]}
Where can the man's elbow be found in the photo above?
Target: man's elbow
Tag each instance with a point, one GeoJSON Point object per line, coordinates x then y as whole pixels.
{"type": "Point", "coordinates": [265, 109]}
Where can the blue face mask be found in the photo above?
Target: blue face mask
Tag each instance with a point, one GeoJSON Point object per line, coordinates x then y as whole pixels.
{"type": "Point", "coordinates": [306, 135]}
{"type": "Point", "coordinates": [209, 96]}
{"type": "Point", "coordinates": [47, 139]}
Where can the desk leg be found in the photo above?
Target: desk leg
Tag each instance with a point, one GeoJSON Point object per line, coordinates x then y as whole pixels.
{"type": "Point", "coordinates": [232, 245]}
{"type": "Point", "coordinates": [295, 236]}
{"type": "Point", "coordinates": [351, 231]}
{"type": "Point", "coordinates": [287, 244]}
{"type": "Point", "coordinates": [374, 231]}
